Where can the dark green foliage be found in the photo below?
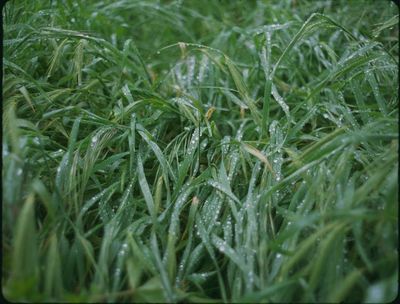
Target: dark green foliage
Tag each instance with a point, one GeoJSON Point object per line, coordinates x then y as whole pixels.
{"type": "Point", "coordinates": [200, 151]}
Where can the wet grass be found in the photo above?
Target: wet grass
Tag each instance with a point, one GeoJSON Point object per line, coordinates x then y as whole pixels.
{"type": "Point", "coordinates": [190, 151]}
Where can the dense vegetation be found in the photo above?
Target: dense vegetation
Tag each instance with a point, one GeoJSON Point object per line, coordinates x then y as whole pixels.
{"type": "Point", "coordinates": [200, 151]}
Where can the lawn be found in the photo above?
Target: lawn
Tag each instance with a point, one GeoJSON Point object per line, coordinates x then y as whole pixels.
{"type": "Point", "coordinates": [200, 151]}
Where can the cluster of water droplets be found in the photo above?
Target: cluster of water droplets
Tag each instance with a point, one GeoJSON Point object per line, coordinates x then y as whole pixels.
{"type": "Point", "coordinates": [203, 69]}
{"type": "Point", "coordinates": [211, 210]}
{"type": "Point", "coordinates": [180, 78]}
{"type": "Point", "coordinates": [225, 145]}
{"type": "Point", "coordinates": [279, 99]}
{"type": "Point", "coordinates": [190, 62]}
{"type": "Point", "coordinates": [174, 222]}
{"type": "Point", "coordinates": [120, 259]}
{"type": "Point", "coordinates": [233, 157]}
{"type": "Point", "coordinates": [185, 71]}
{"type": "Point", "coordinates": [276, 156]}
{"type": "Point", "coordinates": [222, 246]}
{"type": "Point", "coordinates": [184, 101]}
{"type": "Point", "coordinates": [227, 228]}
{"type": "Point", "coordinates": [269, 28]}
{"type": "Point", "coordinates": [93, 200]}
{"type": "Point", "coordinates": [126, 195]}
{"type": "Point", "coordinates": [217, 186]}
{"type": "Point", "coordinates": [106, 211]}
{"type": "Point", "coordinates": [195, 257]}
{"type": "Point", "coordinates": [249, 204]}
{"type": "Point", "coordinates": [201, 277]}
{"type": "Point", "coordinates": [301, 205]}
{"type": "Point", "coordinates": [94, 141]}
{"type": "Point", "coordinates": [194, 141]}
{"type": "Point", "coordinates": [36, 141]}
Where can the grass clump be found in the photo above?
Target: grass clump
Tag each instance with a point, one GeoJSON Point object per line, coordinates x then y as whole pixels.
{"type": "Point", "coordinates": [190, 151]}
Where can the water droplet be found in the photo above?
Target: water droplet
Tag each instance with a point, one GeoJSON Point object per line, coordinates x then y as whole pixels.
{"type": "Point", "coordinates": [93, 141]}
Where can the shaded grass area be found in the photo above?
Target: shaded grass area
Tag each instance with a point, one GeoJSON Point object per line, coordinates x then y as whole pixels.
{"type": "Point", "coordinates": [200, 151]}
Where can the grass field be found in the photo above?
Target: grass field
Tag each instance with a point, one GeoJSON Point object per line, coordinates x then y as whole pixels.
{"type": "Point", "coordinates": [200, 151]}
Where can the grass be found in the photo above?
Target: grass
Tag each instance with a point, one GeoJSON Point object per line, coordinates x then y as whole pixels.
{"type": "Point", "coordinates": [200, 151]}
